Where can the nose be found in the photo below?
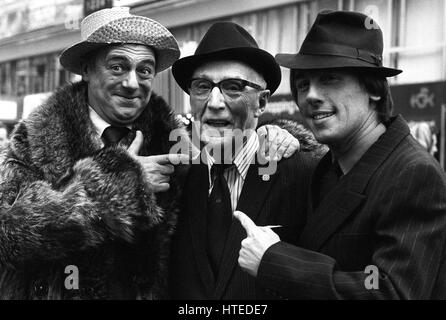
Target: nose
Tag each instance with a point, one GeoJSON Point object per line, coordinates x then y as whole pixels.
{"type": "Point", "coordinates": [131, 80]}
{"type": "Point", "coordinates": [216, 99]}
{"type": "Point", "coordinates": [313, 95]}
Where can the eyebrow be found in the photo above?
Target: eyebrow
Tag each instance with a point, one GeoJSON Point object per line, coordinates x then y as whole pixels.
{"type": "Point", "coordinates": [204, 76]}
{"type": "Point", "coordinates": [299, 76]}
{"type": "Point", "coordinates": [119, 57]}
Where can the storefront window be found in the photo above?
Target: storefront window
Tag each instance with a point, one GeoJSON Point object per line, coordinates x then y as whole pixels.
{"type": "Point", "coordinates": [3, 77]}
{"type": "Point", "coordinates": [422, 41]}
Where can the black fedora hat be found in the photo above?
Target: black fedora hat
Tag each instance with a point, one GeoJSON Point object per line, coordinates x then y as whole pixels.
{"type": "Point", "coordinates": [228, 41]}
{"type": "Point", "coordinates": [340, 39]}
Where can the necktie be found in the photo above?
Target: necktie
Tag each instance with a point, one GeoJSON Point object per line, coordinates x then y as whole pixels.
{"type": "Point", "coordinates": [112, 135]}
{"type": "Point", "coordinates": [219, 216]}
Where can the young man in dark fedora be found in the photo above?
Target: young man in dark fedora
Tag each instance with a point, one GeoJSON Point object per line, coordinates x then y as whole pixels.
{"type": "Point", "coordinates": [376, 223]}
{"type": "Point", "coordinates": [229, 80]}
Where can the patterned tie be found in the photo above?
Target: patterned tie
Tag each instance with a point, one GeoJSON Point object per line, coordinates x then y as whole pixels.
{"type": "Point", "coordinates": [219, 217]}
{"type": "Point", "coordinates": [112, 135]}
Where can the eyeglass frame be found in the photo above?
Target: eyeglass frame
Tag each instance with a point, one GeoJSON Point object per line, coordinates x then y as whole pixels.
{"type": "Point", "coordinates": [218, 85]}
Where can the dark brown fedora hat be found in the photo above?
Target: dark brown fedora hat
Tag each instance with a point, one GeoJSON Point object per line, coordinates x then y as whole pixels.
{"type": "Point", "coordinates": [228, 41]}
{"type": "Point", "coordinates": [340, 39]}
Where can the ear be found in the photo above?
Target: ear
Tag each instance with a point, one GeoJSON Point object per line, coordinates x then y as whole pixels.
{"type": "Point", "coordinates": [263, 100]}
{"type": "Point", "coordinates": [373, 100]}
{"type": "Point", "coordinates": [85, 72]}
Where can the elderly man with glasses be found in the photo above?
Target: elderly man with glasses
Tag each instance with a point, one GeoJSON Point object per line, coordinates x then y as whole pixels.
{"type": "Point", "coordinates": [229, 80]}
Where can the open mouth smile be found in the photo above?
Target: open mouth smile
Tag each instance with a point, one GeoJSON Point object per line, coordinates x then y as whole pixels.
{"type": "Point", "coordinates": [218, 123]}
{"type": "Point", "coordinates": [320, 116]}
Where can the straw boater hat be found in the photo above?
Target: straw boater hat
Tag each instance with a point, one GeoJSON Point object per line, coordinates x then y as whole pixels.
{"type": "Point", "coordinates": [340, 39]}
{"type": "Point", "coordinates": [228, 41]}
{"type": "Point", "coordinates": [118, 26]}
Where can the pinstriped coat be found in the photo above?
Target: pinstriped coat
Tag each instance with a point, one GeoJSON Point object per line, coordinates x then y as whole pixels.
{"type": "Point", "coordinates": [388, 211]}
{"type": "Point", "coordinates": [64, 201]}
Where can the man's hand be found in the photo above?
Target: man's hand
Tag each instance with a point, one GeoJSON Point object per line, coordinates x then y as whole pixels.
{"type": "Point", "coordinates": [259, 239]}
{"type": "Point", "coordinates": [278, 142]}
{"type": "Point", "coordinates": [157, 168]}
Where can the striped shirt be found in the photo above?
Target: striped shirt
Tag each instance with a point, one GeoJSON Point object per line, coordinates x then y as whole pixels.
{"type": "Point", "coordinates": [235, 175]}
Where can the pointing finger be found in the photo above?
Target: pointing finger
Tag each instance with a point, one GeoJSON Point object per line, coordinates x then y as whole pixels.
{"type": "Point", "coordinates": [136, 144]}
{"type": "Point", "coordinates": [172, 158]}
{"type": "Point", "coordinates": [246, 223]}
{"type": "Point", "coordinates": [179, 158]}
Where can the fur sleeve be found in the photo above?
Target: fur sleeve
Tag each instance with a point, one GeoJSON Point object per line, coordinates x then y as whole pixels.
{"type": "Point", "coordinates": [102, 198]}
{"type": "Point", "coordinates": [306, 139]}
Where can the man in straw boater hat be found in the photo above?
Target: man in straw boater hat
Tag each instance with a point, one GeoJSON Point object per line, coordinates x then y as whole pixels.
{"type": "Point", "coordinates": [376, 223]}
{"type": "Point", "coordinates": [70, 196]}
{"type": "Point", "coordinates": [229, 80]}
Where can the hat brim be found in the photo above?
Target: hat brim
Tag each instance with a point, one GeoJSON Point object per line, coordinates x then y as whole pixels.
{"type": "Point", "coordinates": [307, 62]}
{"type": "Point", "coordinates": [73, 57]}
{"type": "Point", "coordinates": [258, 59]}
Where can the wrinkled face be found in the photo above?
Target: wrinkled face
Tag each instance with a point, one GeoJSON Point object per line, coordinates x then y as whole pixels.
{"type": "Point", "coordinates": [224, 116]}
{"type": "Point", "coordinates": [334, 104]}
{"type": "Point", "coordinates": [120, 82]}
{"type": "Point", "coordinates": [3, 138]}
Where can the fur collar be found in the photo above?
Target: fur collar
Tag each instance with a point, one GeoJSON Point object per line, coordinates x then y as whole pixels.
{"type": "Point", "coordinates": [60, 131]}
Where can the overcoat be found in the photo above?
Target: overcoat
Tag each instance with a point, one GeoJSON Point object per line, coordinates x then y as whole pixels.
{"type": "Point", "coordinates": [65, 201]}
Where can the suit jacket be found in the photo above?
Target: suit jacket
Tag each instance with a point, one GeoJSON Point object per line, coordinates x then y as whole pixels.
{"type": "Point", "coordinates": [280, 200]}
{"type": "Point", "coordinates": [388, 211]}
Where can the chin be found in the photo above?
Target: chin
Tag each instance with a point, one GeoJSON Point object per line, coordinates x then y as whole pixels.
{"type": "Point", "coordinates": [125, 120]}
{"type": "Point", "coordinates": [328, 139]}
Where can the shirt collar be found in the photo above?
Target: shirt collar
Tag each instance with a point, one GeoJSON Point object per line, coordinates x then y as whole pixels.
{"type": "Point", "coordinates": [243, 157]}
{"type": "Point", "coordinates": [100, 124]}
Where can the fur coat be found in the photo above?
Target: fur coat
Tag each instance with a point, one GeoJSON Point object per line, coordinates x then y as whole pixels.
{"type": "Point", "coordinates": [66, 201]}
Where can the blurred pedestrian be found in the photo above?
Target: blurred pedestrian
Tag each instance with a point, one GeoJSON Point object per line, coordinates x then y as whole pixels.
{"type": "Point", "coordinates": [425, 135]}
{"type": "Point", "coordinates": [4, 140]}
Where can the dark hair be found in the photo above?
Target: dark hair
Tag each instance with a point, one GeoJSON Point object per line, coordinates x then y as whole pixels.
{"type": "Point", "coordinates": [373, 83]}
{"type": "Point", "coordinates": [89, 59]}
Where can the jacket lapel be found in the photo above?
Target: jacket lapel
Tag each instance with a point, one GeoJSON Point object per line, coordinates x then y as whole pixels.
{"type": "Point", "coordinates": [349, 193]}
{"type": "Point", "coordinates": [254, 193]}
{"type": "Point", "coordinates": [198, 198]}
{"type": "Point", "coordinates": [336, 207]}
